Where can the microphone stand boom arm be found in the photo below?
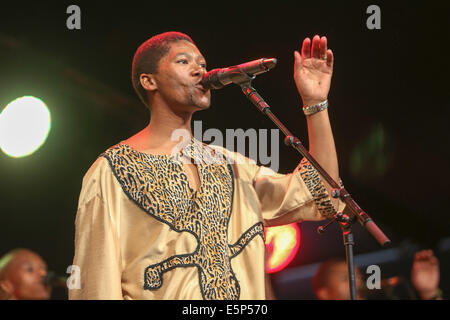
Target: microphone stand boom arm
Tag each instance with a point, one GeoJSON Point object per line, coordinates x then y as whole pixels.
{"type": "Point", "coordinates": [352, 208]}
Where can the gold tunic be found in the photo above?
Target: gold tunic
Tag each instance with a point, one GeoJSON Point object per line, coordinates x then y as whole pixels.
{"type": "Point", "coordinates": [143, 233]}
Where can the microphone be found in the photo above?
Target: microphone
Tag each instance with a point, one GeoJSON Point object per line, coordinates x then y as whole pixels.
{"type": "Point", "coordinates": [218, 78]}
{"type": "Point", "coordinates": [51, 279]}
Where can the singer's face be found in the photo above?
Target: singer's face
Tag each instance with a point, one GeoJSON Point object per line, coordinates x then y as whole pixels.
{"type": "Point", "coordinates": [26, 273]}
{"type": "Point", "coordinates": [178, 78]}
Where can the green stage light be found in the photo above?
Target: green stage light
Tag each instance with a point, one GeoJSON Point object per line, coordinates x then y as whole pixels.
{"type": "Point", "coordinates": [24, 126]}
{"type": "Point", "coordinates": [372, 156]}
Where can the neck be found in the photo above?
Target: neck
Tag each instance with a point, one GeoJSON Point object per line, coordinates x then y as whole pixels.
{"type": "Point", "coordinates": [166, 129]}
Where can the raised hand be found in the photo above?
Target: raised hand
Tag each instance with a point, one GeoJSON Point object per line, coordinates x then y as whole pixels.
{"type": "Point", "coordinates": [313, 70]}
{"type": "Point", "coordinates": [425, 274]}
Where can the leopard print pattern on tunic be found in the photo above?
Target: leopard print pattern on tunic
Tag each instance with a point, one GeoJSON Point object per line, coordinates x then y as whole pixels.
{"type": "Point", "coordinates": [159, 186]}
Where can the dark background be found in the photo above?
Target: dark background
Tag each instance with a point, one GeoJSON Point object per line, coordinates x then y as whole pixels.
{"type": "Point", "coordinates": [389, 108]}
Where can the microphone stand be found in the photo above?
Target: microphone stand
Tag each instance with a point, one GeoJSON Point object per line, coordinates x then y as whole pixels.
{"type": "Point", "coordinates": [354, 212]}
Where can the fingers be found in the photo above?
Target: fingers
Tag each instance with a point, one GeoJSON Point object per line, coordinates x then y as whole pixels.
{"type": "Point", "coordinates": [317, 48]}
{"type": "Point", "coordinates": [426, 256]}
{"type": "Point", "coordinates": [306, 49]}
{"type": "Point", "coordinates": [323, 48]}
{"type": "Point", "coordinates": [330, 57]}
{"type": "Point", "coordinates": [298, 58]}
{"type": "Point", "coordinates": [421, 255]}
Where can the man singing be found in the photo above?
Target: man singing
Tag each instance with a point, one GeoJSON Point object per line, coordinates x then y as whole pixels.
{"type": "Point", "coordinates": [160, 218]}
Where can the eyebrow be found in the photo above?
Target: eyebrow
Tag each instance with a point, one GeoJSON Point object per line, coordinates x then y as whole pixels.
{"type": "Point", "coordinates": [188, 54]}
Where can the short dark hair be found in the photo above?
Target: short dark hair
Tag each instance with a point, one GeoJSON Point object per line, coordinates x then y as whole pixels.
{"type": "Point", "coordinates": [322, 275]}
{"type": "Point", "coordinates": [147, 57]}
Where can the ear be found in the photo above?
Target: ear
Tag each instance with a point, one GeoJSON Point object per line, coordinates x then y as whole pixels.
{"type": "Point", "coordinates": [148, 81]}
{"type": "Point", "coordinates": [7, 287]}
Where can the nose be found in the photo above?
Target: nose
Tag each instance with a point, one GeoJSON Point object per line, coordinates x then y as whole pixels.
{"type": "Point", "coordinates": [198, 71]}
{"type": "Point", "coordinates": [42, 272]}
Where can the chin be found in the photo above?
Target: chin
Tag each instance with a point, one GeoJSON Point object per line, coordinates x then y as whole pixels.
{"type": "Point", "coordinates": [202, 102]}
{"type": "Point", "coordinates": [201, 105]}
{"type": "Point", "coordinates": [204, 107]}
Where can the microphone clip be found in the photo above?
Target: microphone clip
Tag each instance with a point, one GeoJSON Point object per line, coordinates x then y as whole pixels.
{"type": "Point", "coordinates": [343, 219]}
{"type": "Point", "coordinates": [241, 78]}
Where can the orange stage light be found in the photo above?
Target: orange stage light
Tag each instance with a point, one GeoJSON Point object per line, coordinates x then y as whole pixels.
{"type": "Point", "coordinates": [282, 244]}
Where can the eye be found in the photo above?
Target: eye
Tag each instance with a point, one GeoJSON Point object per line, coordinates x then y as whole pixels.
{"type": "Point", "coordinates": [182, 61]}
{"type": "Point", "coordinates": [203, 65]}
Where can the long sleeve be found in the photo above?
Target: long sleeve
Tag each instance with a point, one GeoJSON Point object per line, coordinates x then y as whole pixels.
{"type": "Point", "coordinates": [284, 198]}
{"type": "Point", "coordinates": [293, 197]}
{"type": "Point", "coordinates": [97, 246]}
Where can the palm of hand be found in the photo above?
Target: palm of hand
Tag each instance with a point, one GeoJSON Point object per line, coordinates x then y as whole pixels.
{"type": "Point", "coordinates": [313, 78]}
{"type": "Point", "coordinates": [313, 70]}
{"type": "Point", "coordinates": [425, 272]}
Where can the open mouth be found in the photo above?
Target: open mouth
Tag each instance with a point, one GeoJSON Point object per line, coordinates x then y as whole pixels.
{"type": "Point", "coordinates": [201, 87]}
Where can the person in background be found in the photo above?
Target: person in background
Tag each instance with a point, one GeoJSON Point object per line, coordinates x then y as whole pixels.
{"type": "Point", "coordinates": [425, 275]}
{"type": "Point", "coordinates": [22, 276]}
{"type": "Point", "coordinates": [331, 279]}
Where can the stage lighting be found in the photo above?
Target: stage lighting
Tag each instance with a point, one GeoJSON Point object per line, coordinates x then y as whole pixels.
{"type": "Point", "coordinates": [282, 244]}
{"type": "Point", "coordinates": [24, 126]}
